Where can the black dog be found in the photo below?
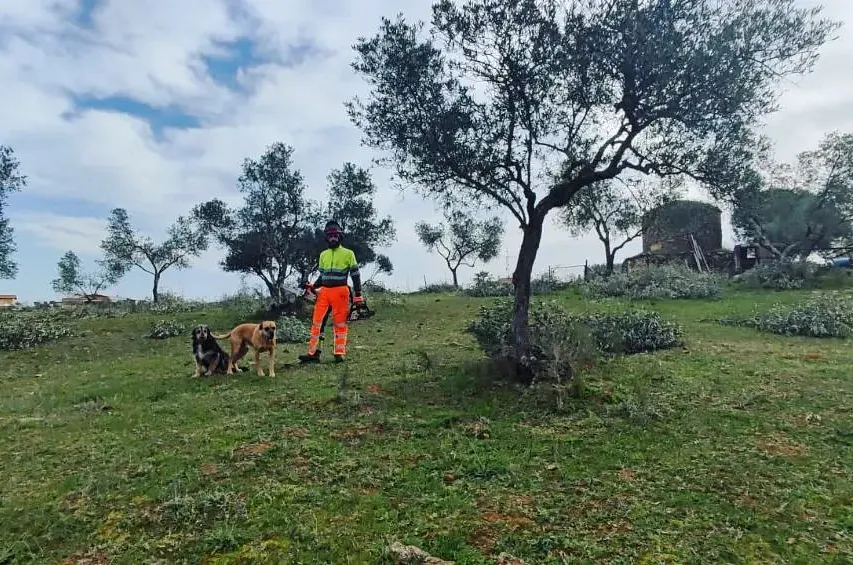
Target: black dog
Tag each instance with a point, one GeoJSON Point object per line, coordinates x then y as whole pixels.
{"type": "Point", "coordinates": [207, 353]}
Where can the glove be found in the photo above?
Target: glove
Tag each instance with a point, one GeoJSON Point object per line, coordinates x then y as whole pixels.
{"type": "Point", "coordinates": [359, 302]}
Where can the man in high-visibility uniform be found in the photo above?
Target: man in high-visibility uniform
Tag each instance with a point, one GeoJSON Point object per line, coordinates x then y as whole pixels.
{"type": "Point", "coordinates": [336, 265]}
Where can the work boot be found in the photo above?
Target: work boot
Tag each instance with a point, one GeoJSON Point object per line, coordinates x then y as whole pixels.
{"type": "Point", "coordinates": [306, 358]}
{"type": "Point", "coordinates": [340, 358]}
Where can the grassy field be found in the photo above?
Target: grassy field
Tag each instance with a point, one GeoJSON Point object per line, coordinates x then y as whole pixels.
{"type": "Point", "coordinates": [737, 448]}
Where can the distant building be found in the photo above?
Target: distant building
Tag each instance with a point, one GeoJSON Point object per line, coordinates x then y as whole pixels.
{"type": "Point", "coordinates": [8, 300]}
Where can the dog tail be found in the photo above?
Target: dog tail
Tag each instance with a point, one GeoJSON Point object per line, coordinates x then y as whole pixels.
{"type": "Point", "coordinates": [226, 336]}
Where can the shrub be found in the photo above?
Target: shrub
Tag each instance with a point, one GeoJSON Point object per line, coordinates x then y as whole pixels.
{"type": "Point", "coordinates": [780, 275]}
{"type": "Point", "coordinates": [388, 299]}
{"type": "Point", "coordinates": [164, 329]}
{"type": "Point", "coordinates": [168, 303]}
{"type": "Point", "coordinates": [664, 281]}
{"type": "Point", "coordinates": [26, 331]}
{"type": "Point", "coordinates": [374, 287]}
{"type": "Point", "coordinates": [243, 303]}
{"type": "Point", "coordinates": [632, 331]}
{"type": "Point", "coordinates": [487, 286]}
{"type": "Point", "coordinates": [598, 270]}
{"type": "Point", "coordinates": [834, 278]}
{"type": "Point", "coordinates": [547, 282]}
{"type": "Point", "coordinates": [438, 288]}
{"type": "Point", "coordinates": [561, 340]}
{"type": "Point", "coordinates": [822, 315]}
{"type": "Point", "coordinates": [290, 329]}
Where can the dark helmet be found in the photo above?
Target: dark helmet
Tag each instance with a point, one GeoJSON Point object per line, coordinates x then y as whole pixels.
{"type": "Point", "coordinates": [333, 232]}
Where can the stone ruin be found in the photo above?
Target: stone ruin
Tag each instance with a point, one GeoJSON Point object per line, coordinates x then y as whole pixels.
{"type": "Point", "coordinates": [667, 232]}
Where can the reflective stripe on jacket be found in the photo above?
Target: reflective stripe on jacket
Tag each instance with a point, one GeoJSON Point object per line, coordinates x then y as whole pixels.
{"type": "Point", "coordinates": [336, 265]}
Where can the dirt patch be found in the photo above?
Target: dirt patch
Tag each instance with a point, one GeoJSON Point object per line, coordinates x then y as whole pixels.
{"type": "Point", "coordinates": [779, 446]}
{"type": "Point", "coordinates": [806, 420]}
{"type": "Point", "coordinates": [294, 432]}
{"type": "Point", "coordinates": [814, 356]}
{"type": "Point", "coordinates": [513, 520]}
{"type": "Point", "coordinates": [626, 475]}
{"type": "Point", "coordinates": [374, 389]}
{"type": "Point", "coordinates": [356, 433]}
{"type": "Point", "coordinates": [91, 557]}
{"type": "Point", "coordinates": [747, 501]}
{"type": "Point", "coordinates": [618, 527]}
{"type": "Point", "coordinates": [252, 449]}
{"type": "Point", "coordinates": [301, 465]}
{"type": "Point", "coordinates": [479, 428]}
{"type": "Point", "coordinates": [483, 539]}
{"type": "Point", "coordinates": [209, 469]}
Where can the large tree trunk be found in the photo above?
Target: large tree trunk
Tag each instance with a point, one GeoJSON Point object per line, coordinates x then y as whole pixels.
{"type": "Point", "coordinates": [155, 291]}
{"type": "Point", "coordinates": [610, 258]}
{"type": "Point", "coordinates": [455, 278]}
{"type": "Point", "coordinates": [521, 280]}
{"type": "Point", "coordinates": [274, 290]}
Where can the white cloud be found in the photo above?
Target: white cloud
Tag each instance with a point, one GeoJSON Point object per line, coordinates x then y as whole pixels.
{"type": "Point", "coordinates": [62, 233]}
{"type": "Point", "coordinates": [152, 52]}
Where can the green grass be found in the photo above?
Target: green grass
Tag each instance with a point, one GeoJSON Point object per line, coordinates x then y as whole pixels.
{"type": "Point", "coordinates": [738, 448]}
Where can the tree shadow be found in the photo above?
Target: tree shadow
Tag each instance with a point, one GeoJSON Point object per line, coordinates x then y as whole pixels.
{"type": "Point", "coordinates": [463, 385]}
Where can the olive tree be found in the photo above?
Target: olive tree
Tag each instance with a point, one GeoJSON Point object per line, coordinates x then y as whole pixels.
{"type": "Point", "coordinates": [462, 240]}
{"type": "Point", "coordinates": [794, 211]}
{"type": "Point", "coordinates": [500, 93]}
{"type": "Point", "coordinates": [11, 180]}
{"type": "Point", "coordinates": [72, 278]}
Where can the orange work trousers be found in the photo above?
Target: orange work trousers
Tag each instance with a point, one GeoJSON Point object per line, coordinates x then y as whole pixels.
{"type": "Point", "coordinates": [338, 298]}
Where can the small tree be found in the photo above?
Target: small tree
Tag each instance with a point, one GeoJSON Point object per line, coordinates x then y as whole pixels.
{"type": "Point", "coordinates": [267, 236]}
{"type": "Point", "coordinates": [462, 240]}
{"type": "Point", "coordinates": [381, 266]}
{"type": "Point", "coordinates": [124, 248]}
{"type": "Point", "coordinates": [73, 279]}
{"type": "Point", "coordinates": [614, 209]}
{"type": "Point", "coordinates": [793, 212]}
{"type": "Point", "coordinates": [501, 91]}
{"type": "Point", "coordinates": [10, 181]}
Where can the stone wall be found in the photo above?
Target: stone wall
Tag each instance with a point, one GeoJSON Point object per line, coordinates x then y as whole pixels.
{"type": "Point", "coordinates": [720, 261]}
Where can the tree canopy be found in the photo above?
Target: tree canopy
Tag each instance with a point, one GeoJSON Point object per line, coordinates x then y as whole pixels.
{"type": "Point", "coordinates": [461, 240]}
{"type": "Point", "coordinates": [267, 235]}
{"type": "Point", "coordinates": [501, 92]}
{"type": "Point", "coordinates": [124, 248]}
{"type": "Point", "coordinates": [71, 277]}
{"type": "Point", "coordinates": [10, 181]}
{"type": "Point", "coordinates": [794, 211]}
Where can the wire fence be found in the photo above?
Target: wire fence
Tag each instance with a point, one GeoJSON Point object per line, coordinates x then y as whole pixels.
{"type": "Point", "coordinates": [567, 273]}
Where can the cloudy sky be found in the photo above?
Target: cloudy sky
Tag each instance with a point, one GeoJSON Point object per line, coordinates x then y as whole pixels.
{"type": "Point", "coordinates": [153, 105]}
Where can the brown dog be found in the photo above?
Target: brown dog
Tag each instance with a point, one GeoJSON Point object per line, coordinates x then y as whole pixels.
{"type": "Point", "coordinates": [260, 337]}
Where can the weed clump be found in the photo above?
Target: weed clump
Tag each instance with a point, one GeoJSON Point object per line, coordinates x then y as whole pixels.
{"type": "Point", "coordinates": [824, 316]}
{"type": "Point", "coordinates": [664, 281]}
{"type": "Point", "coordinates": [24, 331]}
{"type": "Point", "coordinates": [164, 329]}
{"type": "Point", "coordinates": [290, 329]}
